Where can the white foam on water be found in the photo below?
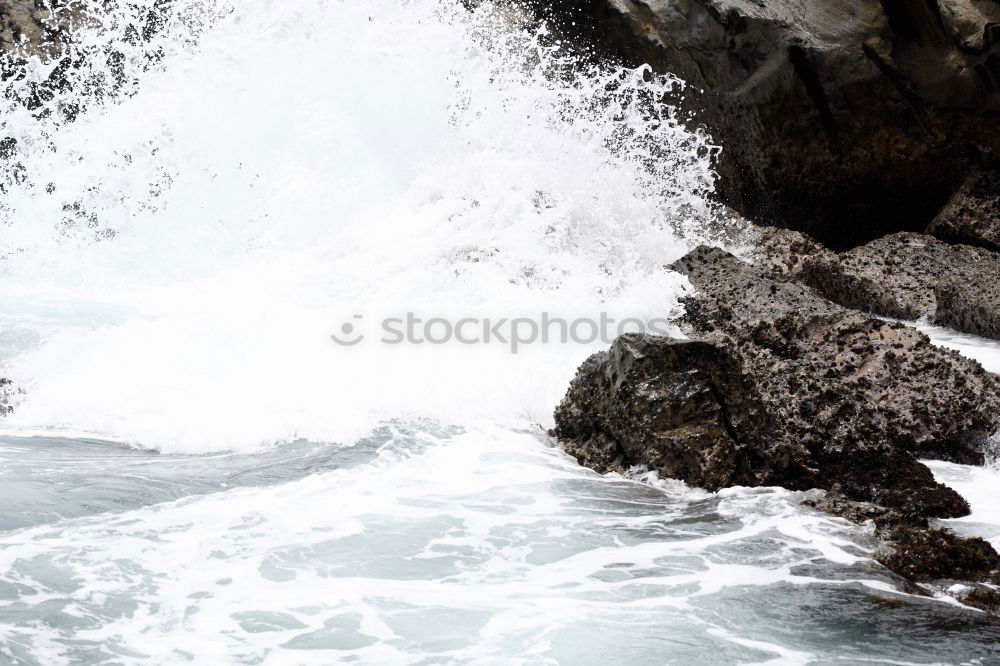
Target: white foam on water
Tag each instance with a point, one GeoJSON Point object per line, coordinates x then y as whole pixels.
{"type": "Point", "coordinates": [978, 485]}
{"type": "Point", "coordinates": [479, 548]}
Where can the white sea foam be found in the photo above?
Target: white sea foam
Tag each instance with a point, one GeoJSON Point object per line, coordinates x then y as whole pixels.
{"type": "Point", "coordinates": [482, 547]}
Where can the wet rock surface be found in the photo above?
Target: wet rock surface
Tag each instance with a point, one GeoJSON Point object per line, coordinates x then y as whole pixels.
{"type": "Point", "coordinates": [837, 377]}
{"type": "Point", "coordinates": [912, 276]}
{"type": "Point", "coordinates": [783, 387]}
{"type": "Point", "coordinates": [972, 216]}
{"type": "Point", "coordinates": [681, 407]}
{"type": "Point", "coordinates": [847, 119]}
{"type": "Point", "coordinates": [935, 561]}
{"type": "Point", "coordinates": [926, 555]}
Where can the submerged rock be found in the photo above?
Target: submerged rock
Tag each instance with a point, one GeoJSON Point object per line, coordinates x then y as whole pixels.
{"type": "Point", "coordinates": [972, 216]}
{"type": "Point", "coordinates": [967, 569]}
{"type": "Point", "coordinates": [936, 561]}
{"type": "Point", "coordinates": [926, 555]}
{"type": "Point", "coordinates": [912, 276]}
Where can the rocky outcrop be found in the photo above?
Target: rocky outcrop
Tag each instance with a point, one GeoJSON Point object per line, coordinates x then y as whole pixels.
{"type": "Point", "coordinates": [782, 387]}
{"type": "Point", "coordinates": [972, 216]}
{"type": "Point", "coordinates": [913, 276]}
{"type": "Point", "coordinates": [826, 366]}
{"type": "Point", "coordinates": [937, 561]}
{"type": "Point", "coordinates": [681, 407]}
{"type": "Point", "coordinates": [783, 253]}
{"type": "Point", "coordinates": [847, 119]}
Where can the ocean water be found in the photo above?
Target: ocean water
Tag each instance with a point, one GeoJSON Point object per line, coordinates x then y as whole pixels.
{"type": "Point", "coordinates": [196, 473]}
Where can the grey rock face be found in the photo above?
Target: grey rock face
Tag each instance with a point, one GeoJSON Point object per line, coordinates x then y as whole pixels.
{"type": "Point", "coordinates": [831, 365]}
{"type": "Point", "coordinates": [972, 216]}
{"type": "Point", "coordinates": [784, 253]}
{"type": "Point", "coordinates": [910, 276]}
{"type": "Point", "coordinates": [847, 119]}
{"type": "Point", "coordinates": [783, 387]}
{"type": "Point", "coordinates": [973, 308]}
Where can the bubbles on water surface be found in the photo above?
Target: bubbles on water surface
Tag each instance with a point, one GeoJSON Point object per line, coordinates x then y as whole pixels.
{"type": "Point", "coordinates": [460, 547]}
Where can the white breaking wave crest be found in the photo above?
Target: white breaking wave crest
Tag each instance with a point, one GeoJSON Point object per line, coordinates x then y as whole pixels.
{"type": "Point", "coordinates": [237, 181]}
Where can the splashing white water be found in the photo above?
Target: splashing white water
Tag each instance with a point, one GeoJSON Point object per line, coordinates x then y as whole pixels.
{"type": "Point", "coordinates": [242, 178]}
{"type": "Point", "coordinates": [299, 163]}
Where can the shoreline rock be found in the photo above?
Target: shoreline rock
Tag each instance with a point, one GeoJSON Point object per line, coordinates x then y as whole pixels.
{"type": "Point", "coordinates": [911, 276]}
{"type": "Point", "coordinates": [780, 386]}
{"type": "Point", "coordinates": [972, 216]}
{"type": "Point", "coordinates": [935, 561]}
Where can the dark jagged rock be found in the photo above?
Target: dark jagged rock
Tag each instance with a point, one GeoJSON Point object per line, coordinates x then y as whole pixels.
{"type": "Point", "coordinates": [984, 598]}
{"type": "Point", "coordinates": [834, 503]}
{"type": "Point", "coordinates": [935, 560]}
{"type": "Point", "coordinates": [689, 410]}
{"type": "Point", "coordinates": [680, 407]}
{"type": "Point", "coordinates": [926, 555]}
{"type": "Point", "coordinates": [847, 119]}
{"type": "Point", "coordinates": [910, 276]}
{"type": "Point", "coordinates": [783, 387]}
{"type": "Point", "coordinates": [972, 216]}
